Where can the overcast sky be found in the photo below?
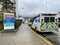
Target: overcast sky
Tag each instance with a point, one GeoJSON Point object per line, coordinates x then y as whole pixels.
{"type": "Point", "coordinates": [30, 7]}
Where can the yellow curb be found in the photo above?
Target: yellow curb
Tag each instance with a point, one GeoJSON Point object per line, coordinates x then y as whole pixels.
{"type": "Point", "coordinates": [46, 40]}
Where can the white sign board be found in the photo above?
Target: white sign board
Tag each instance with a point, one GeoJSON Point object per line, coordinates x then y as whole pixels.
{"type": "Point", "coordinates": [8, 21]}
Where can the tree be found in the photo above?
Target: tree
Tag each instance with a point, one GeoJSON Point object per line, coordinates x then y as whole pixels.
{"type": "Point", "coordinates": [8, 5]}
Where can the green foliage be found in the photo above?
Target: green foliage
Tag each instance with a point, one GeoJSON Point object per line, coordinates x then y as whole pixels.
{"type": "Point", "coordinates": [1, 25]}
{"type": "Point", "coordinates": [17, 24]}
{"type": "Point", "coordinates": [7, 6]}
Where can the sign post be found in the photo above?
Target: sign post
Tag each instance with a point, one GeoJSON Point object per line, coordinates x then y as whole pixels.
{"type": "Point", "coordinates": [8, 21]}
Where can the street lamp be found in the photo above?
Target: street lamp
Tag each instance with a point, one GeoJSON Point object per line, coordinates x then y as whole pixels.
{"type": "Point", "coordinates": [20, 11]}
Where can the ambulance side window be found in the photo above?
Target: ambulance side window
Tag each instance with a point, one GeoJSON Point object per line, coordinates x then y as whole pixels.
{"type": "Point", "coordinates": [38, 20]}
{"type": "Point", "coordinates": [35, 20]}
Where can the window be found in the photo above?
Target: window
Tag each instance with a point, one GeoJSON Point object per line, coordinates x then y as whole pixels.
{"type": "Point", "coordinates": [35, 20]}
{"type": "Point", "coordinates": [52, 19]}
{"type": "Point", "coordinates": [38, 20]}
{"type": "Point", "coordinates": [59, 19]}
{"type": "Point", "coordinates": [46, 19]}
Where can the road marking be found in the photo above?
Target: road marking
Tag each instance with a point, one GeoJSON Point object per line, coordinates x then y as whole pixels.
{"type": "Point", "coordinates": [46, 40]}
{"type": "Point", "coordinates": [52, 36]}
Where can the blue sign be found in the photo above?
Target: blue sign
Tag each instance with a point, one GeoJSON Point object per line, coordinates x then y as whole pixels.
{"type": "Point", "coordinates": [8, 21]}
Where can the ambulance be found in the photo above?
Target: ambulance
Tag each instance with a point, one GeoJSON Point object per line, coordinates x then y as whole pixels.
{"type": "Point", "coordinates": [45, 22]}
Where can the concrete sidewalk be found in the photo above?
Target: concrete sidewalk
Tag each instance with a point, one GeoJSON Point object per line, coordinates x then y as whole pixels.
{"type": "Point", "coordinates": [24, 36]}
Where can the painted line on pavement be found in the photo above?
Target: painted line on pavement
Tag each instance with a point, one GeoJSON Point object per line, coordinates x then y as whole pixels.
{"type": "Point", "coordinates": [46, 40]}
{"type": "Point", "coordinates": [52, 36]}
